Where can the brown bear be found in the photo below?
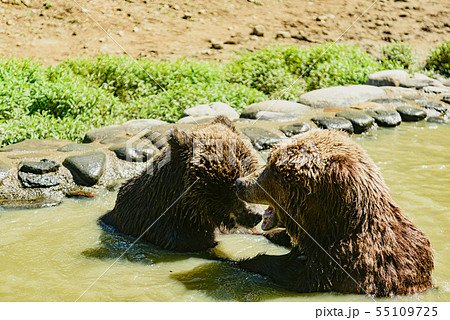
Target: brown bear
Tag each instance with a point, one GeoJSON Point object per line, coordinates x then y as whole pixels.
{"type": "Point", "coordinates": [189, 190]}
{"type": "Point", "coordinates": [347, 233]}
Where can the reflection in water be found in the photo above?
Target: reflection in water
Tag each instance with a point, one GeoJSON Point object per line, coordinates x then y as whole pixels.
{"type": "Point", "coordinates": [224, 281]}
{"type": "Point", "coordinates": [114, 245]}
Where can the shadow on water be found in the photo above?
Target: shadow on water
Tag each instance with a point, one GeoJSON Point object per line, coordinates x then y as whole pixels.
{"type": "Point", "coordinates": [114, 244]}
{"type": "Point", "coordinates": [224, 281]}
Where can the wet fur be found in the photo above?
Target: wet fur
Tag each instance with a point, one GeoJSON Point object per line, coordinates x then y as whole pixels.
{"type": "Point", "coordinates": [179, 202]}
{"type": "Point", "coordinates": [337, 196]}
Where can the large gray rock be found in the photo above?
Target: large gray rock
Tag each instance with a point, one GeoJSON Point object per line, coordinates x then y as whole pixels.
{"type": "Point", "coordinates": [438, 107]}
{"type": "Point", "coordinates": [411, 113]}
{"type": "Point", "coordinates": [138, 125]}
{"type": "Point", "coordinates": [35, 145]}
{"type": "Point", "coordinates": [75, 147]}
{"type": "Point", "coordinates": [211, 109]}
{"type": "Point", "coordinates": [87, 168]}
{"type": "Point", "coordinates": [39, 167]}
{"type": "Point", "coordinates": [261, 139]}
{"type": "Point", "coordinates": [294, 129]}
{"type": "Point", "coordinates": [32, 180]}
{"type": "Point", "coordinates": [274, 106]}
{"type": "Point", "coordinates": [387, 78]}
{"type": "Point", "coordinates": [419, 81]}
{"type": "Point", "coordinates": [333, 124]}
{"type": "Point", "coordinates": [385, 118]}
{"type": "Point", "coordinates": [361, 122]}
{"type": "Point", "coordinates": [275, 116]}
{"type": "Point", "coordinates": [341, 97]}
{"type": "Point", "coordinates": [196, 120]}
{"type": "Point", "coordinates": [4, 170]}
{"type": "Point", "coordinates": [103, 133]}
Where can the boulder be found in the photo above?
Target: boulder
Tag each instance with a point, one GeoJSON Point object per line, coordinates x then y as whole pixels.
{"type": "Point", "coordinates": [294, 129]}
{"type": "Point", "coordinates": [361, 122]}
{"type": "Point", "coordinates": [196, 120]}
{"type": "Point", "coordinates": [341, 96]}
{"type": "Point", "coordinates": [274, 106]}
{"type": "Point", "coordinates": [39, 167]}
{"type": "Point", "coordinates": [103, 133]}
{"type": "Point", "coordinates": [411, 113]}
{"type": "Point", "coordinates": [261, 139]}
{"type": "Point", "coordinates": [32, 180]}
{"type": "Point", "coordinates": [75, 147]}
{"type": "Point", "coordinates": [33, 203]}
{"type": "Point", "coordinates": [387, 78]}
{"type": "Point", "coordinates": [4, 170]}
{"type": "Point", "coordinates": [35, 145]}
{"type": "Point", "coordinates": [385, 118]}
{"type": "Point", "coordinates": [138, 125]}
{"type": "Point", "coordinates": [333, 124]}
{"type": "Point", "coordinates": [87, 168]}
{"type": "Point", "coordinates": [211, 110]}
{"type": "Point", "coordinates": [275, 116]}
{"type": "Point", "coordinates": [419, 81]}
{"type": "Point", "coordinates": [438, 107]}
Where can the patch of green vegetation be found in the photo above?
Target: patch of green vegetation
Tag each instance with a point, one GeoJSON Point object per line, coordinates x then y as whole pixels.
{"type": "Point", "coordinates": [439, 59]}
{"type": "Point", "coordinates": [398, 55]}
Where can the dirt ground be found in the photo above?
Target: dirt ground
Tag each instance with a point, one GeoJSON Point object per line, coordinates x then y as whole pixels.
{"type": "Point", "coordinates": [211, 29]}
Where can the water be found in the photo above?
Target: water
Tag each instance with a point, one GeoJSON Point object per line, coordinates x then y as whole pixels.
{"type": "Point", "coordinates": [61, 254]}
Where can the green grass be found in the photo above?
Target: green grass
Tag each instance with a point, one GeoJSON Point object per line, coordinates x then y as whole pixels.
{"type": "Point", "coordinates": [439, 59]}
{"type": "Point", "coordinates": [67, 100]}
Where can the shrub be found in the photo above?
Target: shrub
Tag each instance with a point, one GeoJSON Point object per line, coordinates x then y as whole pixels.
{"type": "Point", "coordinates": [439, 59]}
{"type": "Point", "coordinates": [398, 55]}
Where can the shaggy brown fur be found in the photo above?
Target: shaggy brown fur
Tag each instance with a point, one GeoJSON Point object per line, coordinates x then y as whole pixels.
{"type": "Point", "coordinates": [189, 190]}
{"type": "Point", "coordinates": [348, 235]}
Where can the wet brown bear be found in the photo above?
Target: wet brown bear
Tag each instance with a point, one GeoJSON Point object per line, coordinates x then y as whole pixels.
{"type": "Point", "coordinates": [189, 190]}
{"type": "Point", "coordinates": [348, 235]}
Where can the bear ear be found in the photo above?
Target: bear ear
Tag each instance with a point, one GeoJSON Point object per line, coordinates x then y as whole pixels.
{"type": "Point", "coordinates": [179, 139]}
{"type": "Point", "coordinates": [225, 121]}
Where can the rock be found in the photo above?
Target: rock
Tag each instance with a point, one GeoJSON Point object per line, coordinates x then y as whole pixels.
{"type": "Point", "coordinates": [300, 35]}
{"type": "Point", "coordinates": [212, 110]}
{"type": "Point", "coordinates": [75, 147]}
{"type": "Point", "coordinates": [27, 3]}
{"type": "Point", "coordinates": [436, 90]}
{"type": "Point", "coordinates": [385, 118]}
{"type": "Point", "coordinates": [341, 96]}
{"type": "Point", "coordinates": [411, 113]}
{"type": "Point", "coordinates": [261, 139]}
{"type": "Point", "coordinates": [294, 129]}
{"type": "Point", "coordinates": [41, 167]}
{"type": "Point", "coordinates": [35, 145]}
{"type": "Point", "coordinates": [387, 78]}
{"type": "Point", "coordinates": [86, 169]}
{"type": "Point", "coordinates": [139, 125]}
{"type": "Point", "coordinates": [367, 105]}
{"type": "Point", "coordinates": [418, 81]}
{"type": "Point", "coordinates": [216, 44]}
{"type": "Point", "coordinates": [196, 120]}
{"type": "Point", "coordinates": [114, 140]}
{"type": "Point", "coordinates": [282, 35]}
{"type": "Point", "coordinates": [438, 119]}
{"type": "Point", "coordinates": [133, 153]}
{"type": "Point", "coordinates": [102, 133]}
{"type": "Point", "coordinates": [275, 116]}
{"type": "Point", "coordinates": [439, 107]}
{"type": "Point", "coordinates": [32, 180]}
{"type": "Point", "coordinates": [274, 106]}
{"type": "Point", "coordinates": [4, 170]}
{"type": "Point", "coordinates": [390, 102]}
{"type": "Point", "coordinates": [80, 194]}
{"type": "Point", "coordinates": [333, 123]}
{"type": "Point", "coordinates": [258, 31]}
{"type": "Point", "coordinates": [361, 122]}
{"type": "Point", "coordinates": [33, 203]}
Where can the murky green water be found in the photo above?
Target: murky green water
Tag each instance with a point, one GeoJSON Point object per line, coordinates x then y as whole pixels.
{"type": "Point", "coordinates": [61, 254]}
